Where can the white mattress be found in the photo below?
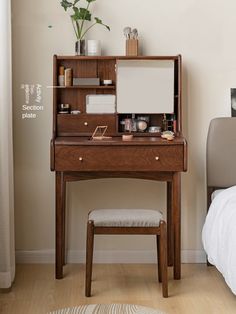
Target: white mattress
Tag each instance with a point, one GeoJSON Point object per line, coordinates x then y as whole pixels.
{"type": "Point", "coordinates": [219, 234]}
{"type": "Point", "coordinates": [215, 193]}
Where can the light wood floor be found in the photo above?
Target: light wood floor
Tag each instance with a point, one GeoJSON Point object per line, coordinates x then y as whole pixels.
{"type": "Point", "coordinates": [201, 289]}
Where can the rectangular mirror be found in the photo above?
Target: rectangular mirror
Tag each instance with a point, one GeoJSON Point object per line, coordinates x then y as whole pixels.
{"type": "Point", "coordinates": [145, 86]}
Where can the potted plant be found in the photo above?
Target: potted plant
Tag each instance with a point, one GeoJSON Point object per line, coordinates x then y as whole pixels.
{"type": "Point", "coordinates": [79, 18]}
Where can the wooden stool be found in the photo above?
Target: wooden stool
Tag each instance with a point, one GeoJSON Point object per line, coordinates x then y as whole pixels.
{"type": "Point", "coordinates": [128, 221]}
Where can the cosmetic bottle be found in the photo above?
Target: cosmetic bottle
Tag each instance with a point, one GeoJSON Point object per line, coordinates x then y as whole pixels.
{"type": "Point", "coordinates": [164, 123]}
{"type": "Point", "coordinates": [68, 77]}
{"type": "Point", "coordinates": [61, 77]}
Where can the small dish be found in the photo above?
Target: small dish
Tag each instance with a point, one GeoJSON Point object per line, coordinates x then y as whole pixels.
{"type": "Point", "coordinates": [127, 137]}
{"type": "Point", "coordinates": [75, 112]}
{"type": "Point", "coordinates": [107, 82]}
{"type": "Point", "coordinates": [168, 135]}
{"type": "Point", "coordinates": [154, 129]}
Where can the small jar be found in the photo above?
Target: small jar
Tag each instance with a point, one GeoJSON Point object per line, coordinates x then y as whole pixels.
{"type": "Point", "coordinates": [64, 108]}
{"type": "Point", "coordinates": [128, 125]}
{"type": "Point", "coordinates": [142, 125]}
{"type": "Point", "coordinates": [154, 129]}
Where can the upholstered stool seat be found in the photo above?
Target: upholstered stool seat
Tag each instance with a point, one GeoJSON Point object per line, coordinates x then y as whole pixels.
{"type": "Point", "coordinates": [125, 217]}
{"type": "Point", "coordinates": [127, 221]}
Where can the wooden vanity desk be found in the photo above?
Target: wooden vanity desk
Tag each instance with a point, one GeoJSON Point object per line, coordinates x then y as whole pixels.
{"type": "Point", "coordinates": [74, 156]}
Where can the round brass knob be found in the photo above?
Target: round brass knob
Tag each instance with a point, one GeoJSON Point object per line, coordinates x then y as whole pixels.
{"type": "Point", "coordinates": [80, 158]}
{"type": "Point", "coordinates": [157, 158]}
{"type": "Point", "coordinates": [85, 123]}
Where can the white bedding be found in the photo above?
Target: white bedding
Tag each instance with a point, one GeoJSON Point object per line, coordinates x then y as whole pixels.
{"type": "Point", "coordinates": [219, 235]}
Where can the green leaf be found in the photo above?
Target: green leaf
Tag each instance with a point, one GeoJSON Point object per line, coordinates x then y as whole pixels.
{"type": "Point", "coordinates": [81, 14]}
{"type": "Point", "coordinates": [66, 4]}
{"type": "Point", "coordinates": [85, 14]}
{"type": "Point", "coordinates": [76, 2]}
{"type": "Point", "coordinates": [99, 21]}
{"type": "Point", "coordinates": [75, 10]}
{"type": "Point", "coordinates": [75, 17]}
{"type": "Point", "coordinates": [108, 27]}
{"type": "Point", "coordinates": [90, 1]}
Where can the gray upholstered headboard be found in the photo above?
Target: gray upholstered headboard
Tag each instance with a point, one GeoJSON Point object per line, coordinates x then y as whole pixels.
{"type": "Point", "coordinates": [221, 153]}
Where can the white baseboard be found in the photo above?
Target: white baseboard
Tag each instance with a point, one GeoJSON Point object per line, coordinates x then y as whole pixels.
{"type": "Point", "coordinates": [112, 257]}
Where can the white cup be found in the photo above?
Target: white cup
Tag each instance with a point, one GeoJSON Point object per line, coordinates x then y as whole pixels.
{"type": "Point", "coordinates": [93, 47]}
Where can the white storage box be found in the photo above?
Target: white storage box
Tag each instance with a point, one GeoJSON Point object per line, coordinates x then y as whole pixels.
{"type": "Point", "coordinates": [100, 99]}
{"type": "Point", "coordinates": [105, 108]}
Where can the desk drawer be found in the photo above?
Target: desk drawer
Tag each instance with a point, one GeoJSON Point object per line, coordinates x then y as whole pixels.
{"type": "Point", "coordinates": [69, 124]}
{"type": "Point", "coordinates": [116, 158]}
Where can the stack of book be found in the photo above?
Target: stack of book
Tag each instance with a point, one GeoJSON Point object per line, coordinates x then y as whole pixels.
{"type": "Point", "coordinates": [101, 103]}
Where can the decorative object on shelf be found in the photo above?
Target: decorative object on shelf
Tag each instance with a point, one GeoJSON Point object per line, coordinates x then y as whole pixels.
{"type": "Point", "coordinates": [68, 77]}
{"type": "Point", "coordinates": [127, 137]}
{"type": "Point", "coordinates": [103, 103]}
{"type": "Point", "coordinates": [128, 125]}
{"type": "Point", "coordinates": [94, 47]}
{"type": "Point", "coordinates": [134, 123]}
{"type": "Point", "coordinates": [75, 112]}
{"type": "Point", "coordinates": [79, 16]}
{"type": "Point", "coordinates": [164, 123]}
{"type": "Point", "coordinates": [174, 123]}
{"type": "Point", "coordinates": [80, 47]}
{"type": "Point", "coordinates": [99, 133]}
{"type": "Point", "coordinates": [83, 81]}
{"type": "Point", "coordinates": [143, 118]}
{"type": "Point", "coordinates": [64, 108]}
{"type": "Point", "coordinates": [142, 125]}
{"type": "Point", "coordinates": [61, 77]}
{"type": "Point", "coordinates": [132, 46]}
{"type": "Point", "coordinates": [127, 32]}
{"type": "Point", "coordinates": [154, 129]}
{"type": "Point", "coordinates": [107, 82]}
{"type": "Point", "coordinates": [168, 135]}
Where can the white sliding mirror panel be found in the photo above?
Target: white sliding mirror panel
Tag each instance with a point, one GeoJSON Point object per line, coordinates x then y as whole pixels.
{"type": "Point", "coordinates": [145, 86]}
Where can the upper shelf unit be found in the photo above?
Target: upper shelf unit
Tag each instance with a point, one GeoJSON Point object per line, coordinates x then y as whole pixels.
{"type": "Point", "coordinates": [141, 88]}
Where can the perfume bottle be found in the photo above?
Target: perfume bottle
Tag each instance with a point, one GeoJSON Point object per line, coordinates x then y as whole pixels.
{"type": "Point", "coordinates": [164, 123]}
{"type": "Point", "coordinates": [134, 123]}
{"type": "Point", "coordinates": [174, 123]}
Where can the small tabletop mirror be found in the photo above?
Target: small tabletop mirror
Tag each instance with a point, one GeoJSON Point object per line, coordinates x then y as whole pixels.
{"type": "Point", "coordinates": [99, 132]}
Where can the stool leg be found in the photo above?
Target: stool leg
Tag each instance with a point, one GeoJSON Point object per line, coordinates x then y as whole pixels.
{"type": "Point", "coordinates": [89, 257]}
{"type": "Point", "coordinates": [159, 258]}
{"type": "Point", "coordinates": [163, 243]}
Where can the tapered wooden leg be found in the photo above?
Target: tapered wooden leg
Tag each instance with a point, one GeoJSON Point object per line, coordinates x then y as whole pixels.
{"type": "Point", "coordinates": [60, 190]}
{"type": "Point", "coordinates": [64, 224]}
{"type": "Point", "coordinates": [176, 207]}
{"type": "Point", "coordinates": [159, 258]}
{"type": "Point", "coordinates": [170, 229]}
{"type": "Point", "coordinates": [164, 266]}
{"type": "Point", "coordinates": [89, 257]}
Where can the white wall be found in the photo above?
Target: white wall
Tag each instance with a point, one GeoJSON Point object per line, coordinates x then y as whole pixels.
{"type": "Point", "coordinates": [202, 31]}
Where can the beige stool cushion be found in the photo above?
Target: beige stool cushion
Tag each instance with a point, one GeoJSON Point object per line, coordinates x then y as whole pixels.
{"type": "Point", "coordinates": [125, 217]}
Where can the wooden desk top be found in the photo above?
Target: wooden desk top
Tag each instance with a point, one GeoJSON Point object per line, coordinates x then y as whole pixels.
{"type": "Point", "coordinates": [117, 141]}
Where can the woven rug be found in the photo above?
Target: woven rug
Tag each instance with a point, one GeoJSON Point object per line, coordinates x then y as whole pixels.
{"type": "Point", "coordinates": [108, 309]}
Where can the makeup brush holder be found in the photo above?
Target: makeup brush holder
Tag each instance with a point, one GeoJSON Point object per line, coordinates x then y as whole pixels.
{"type": "Point", "coordinates": [132, 47]}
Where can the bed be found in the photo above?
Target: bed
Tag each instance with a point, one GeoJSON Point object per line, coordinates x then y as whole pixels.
{"type": "Point", "coordinates": [219, 230]}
